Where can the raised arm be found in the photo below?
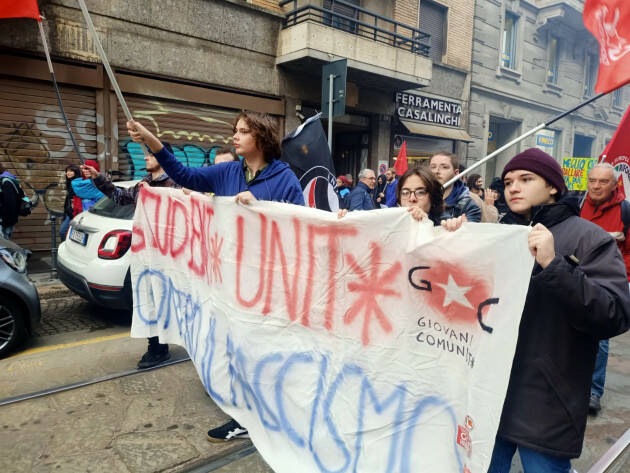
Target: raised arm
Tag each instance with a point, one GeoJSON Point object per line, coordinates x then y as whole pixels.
{"type": "Point", "coordinates": [204, 179]}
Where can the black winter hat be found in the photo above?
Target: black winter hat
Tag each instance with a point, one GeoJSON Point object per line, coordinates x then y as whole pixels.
{"type": "Point", "coordinates": [538, 162]}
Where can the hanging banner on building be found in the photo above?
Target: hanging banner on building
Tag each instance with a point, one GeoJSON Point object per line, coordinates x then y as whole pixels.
{"type": "Point", "coordinates": [575, 171]}
{"type": "Point", "coordinates": [373, 343]}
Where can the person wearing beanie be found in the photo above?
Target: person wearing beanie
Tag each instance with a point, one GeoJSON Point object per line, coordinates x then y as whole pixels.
{"type": "Point", "coordinates": [578, 294]}
{"type": "Point", "coordinates": [156, 177]}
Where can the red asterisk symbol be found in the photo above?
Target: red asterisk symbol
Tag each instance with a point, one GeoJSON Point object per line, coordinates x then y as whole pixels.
{"type": "Point", "coordinates": [372, 283]}
{"type": "Point", "coordinates": [215, 257]}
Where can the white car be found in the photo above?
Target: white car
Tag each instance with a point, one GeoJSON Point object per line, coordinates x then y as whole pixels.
{"type": "Point", "coordinates": [93, 261]}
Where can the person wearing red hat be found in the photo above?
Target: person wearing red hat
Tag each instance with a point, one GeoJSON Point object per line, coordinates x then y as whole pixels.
{"type": "Point", "coordinates": [578, 294]}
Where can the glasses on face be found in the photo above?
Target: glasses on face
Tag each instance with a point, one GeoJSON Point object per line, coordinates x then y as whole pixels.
{"type": "Point", "coordinates": [419, 192]}
{"type": "Point", "coordinates": [370, 178]}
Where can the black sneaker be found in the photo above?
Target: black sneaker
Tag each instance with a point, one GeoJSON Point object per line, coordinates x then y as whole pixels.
{"type": "Point", "coordinates": [594, 405]}
{"type": "Point", "coordinates": [150, 359]}
{"type": "Point", "coordinates": [228, 431]}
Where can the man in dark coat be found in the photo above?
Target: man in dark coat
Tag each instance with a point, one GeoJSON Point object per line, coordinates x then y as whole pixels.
{"type": "Point", "coordinates": [578, 294]}
{"type": "Point", "coordinates": [457, 201]}
{"type": "Point", "coordinates": [361, 195]}
{"type": "Point", "coordinates": [156, 177]}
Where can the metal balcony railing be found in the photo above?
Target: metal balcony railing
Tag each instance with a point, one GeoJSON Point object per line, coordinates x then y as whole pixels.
{"type": "Point", "coordinates": [361, 22]}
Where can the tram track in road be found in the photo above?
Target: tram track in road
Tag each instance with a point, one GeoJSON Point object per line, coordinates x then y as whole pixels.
{"type": "Point", "coordinates": [79, 384]}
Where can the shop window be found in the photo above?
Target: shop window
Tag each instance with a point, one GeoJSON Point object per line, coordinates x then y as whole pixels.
{"type": "Point", "coordinates": [582, 146]}
{"type": "Point", "coordinates": [508, 54]}
{"type": "Point", "coordinates": [554, 60]}
{"type": "Point", "coordinates": [433, 21]}
{"type": "Point", "coordinates": [590, 75]}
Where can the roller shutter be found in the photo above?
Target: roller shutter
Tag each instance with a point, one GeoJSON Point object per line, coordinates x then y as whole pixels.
{"type": "Point", "coordinates": [194, 131]}
{"type": "Point", "coordinates": [36, 147]}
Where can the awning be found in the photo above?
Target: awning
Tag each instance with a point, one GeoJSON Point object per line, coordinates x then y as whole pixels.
{"type": "Point", "coordinates": [418, 128]}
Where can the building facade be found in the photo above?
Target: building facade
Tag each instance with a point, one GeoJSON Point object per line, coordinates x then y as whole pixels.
{"type": "Point", "coordinates": [531, 61]}
{"type": "Point", "coordinates": [187, 67]}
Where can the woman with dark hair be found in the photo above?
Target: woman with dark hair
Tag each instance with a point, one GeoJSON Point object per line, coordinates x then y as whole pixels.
{"type": "Point", "coordinates": [72, 204]}
{"type": "Point", "coordinates": [379, 190]}
{"type": "Point", "coordinates": [261, 175]}
{"type": "Point", "coordinates": [420, 191]}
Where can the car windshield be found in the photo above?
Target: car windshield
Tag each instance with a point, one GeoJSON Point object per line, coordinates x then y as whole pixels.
{"type": "Point", "coordinates": [107, 208]}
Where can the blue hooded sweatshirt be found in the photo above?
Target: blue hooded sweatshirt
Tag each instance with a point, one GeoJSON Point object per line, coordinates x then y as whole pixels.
{"type": "Point", "coordinates": [275, 182]}
{"type": "Point", "coordinates": [459, 202]}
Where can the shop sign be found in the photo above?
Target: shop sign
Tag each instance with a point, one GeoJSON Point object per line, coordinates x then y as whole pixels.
{"type": "Point", "coordinates": [428, 109]}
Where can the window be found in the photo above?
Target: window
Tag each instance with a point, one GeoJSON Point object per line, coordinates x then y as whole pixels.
{"type": "Point", "coordinates": [590, 78]}
{"type": "Point", "coordinates": [433, 22]}
{"type": "Point", "coordinates": [582, 146]}
{"type": "Point", "coordinates": [617, 98]}
{"type": "Point", "coordinates": [341, 9]}
{"type": "Point", "coordinates": [508, 54]}
{"type": "Point", "coordinates": [554, 60]}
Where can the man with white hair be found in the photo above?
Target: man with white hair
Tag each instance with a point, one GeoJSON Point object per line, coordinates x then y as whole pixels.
{"type": "Point", "coordinates": [361, 195]}
{"type": "Point", "coordinates": [606, 207]}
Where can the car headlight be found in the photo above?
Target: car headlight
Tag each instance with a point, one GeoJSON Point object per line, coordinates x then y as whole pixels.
{"type": "Point", "coordinates": [14, 258]}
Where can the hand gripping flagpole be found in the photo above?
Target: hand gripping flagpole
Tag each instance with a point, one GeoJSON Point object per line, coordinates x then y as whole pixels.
{"type": "Point", "coordinates": [52, 73]}
{"type": "Point", "coordinates": [108, 68]}
{"type": "Point", "coordinates": [521, 138]}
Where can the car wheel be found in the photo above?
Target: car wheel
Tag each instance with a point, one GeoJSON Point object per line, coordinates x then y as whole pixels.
{"type": "Point", "coordinates": [12, 326]}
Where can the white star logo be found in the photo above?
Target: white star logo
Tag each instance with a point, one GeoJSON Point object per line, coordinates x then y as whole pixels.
{"type": "Point", "coordinates": [455, 293]}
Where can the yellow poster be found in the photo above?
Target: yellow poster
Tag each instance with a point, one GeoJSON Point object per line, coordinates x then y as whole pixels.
{"type": "Point", "coordinates": [575, 172]}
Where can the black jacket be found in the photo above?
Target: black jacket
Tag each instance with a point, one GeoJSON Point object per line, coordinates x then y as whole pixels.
{"type": "Point", "coordinates": [570, 306]}
{"type": "Point", "coordinates": [125, 196]}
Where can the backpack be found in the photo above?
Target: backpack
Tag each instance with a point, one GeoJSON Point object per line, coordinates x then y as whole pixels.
{"type": "Point", "coordinates": [625, 216]}
{"type": "Point", "coordinates": [24, 204]}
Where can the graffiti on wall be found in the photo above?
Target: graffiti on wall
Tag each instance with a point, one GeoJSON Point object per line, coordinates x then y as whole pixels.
{"type": "Point", "coordinates": [194, 136]}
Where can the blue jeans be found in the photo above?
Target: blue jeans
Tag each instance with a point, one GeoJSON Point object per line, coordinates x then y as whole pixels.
{"type": "Point", "coordinates": [5, 232]}
{"type": "Point", "coordinates": [533, 462]}
{"type": "Point", "coordinates": [599, 374]}
{"type": "Point", "coordinates": [63, 229]}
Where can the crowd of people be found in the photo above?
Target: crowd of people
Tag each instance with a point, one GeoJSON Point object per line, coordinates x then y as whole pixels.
{"type": "Point", "coordinates": [578, 295]}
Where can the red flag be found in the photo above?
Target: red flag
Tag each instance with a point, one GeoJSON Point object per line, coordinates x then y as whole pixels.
{"type": "Point", "coordinates": [401, 161]}
{"type": "Point", "coordinates": [617, 153]}
{"type": "Point", "coordinates": [609, 21]}
{"type": "Point", "coordinates": [19, 9]}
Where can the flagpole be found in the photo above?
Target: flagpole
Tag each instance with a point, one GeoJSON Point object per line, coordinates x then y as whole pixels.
{"type": "Point", "coordinates": [521, 138]}
{"type": "Point", "coordinates": [110, 73]}
{"type": "Point", "coordinates": [52, 73]}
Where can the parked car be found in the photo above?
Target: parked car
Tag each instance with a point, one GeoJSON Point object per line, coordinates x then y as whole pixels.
{"type": "Point", "coordinates": [20, 311]}
{"type": "Point", "coordinates": [93, 261]}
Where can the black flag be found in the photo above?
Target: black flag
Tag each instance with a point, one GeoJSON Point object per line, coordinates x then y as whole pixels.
{"type": "Point", "coordinates": [306, 151]}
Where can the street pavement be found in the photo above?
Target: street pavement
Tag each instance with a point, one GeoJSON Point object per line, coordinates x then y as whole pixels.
{"type": "Point", "coordinates": [156, 421]}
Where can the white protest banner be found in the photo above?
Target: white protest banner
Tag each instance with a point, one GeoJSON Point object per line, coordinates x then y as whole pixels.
{"type": "Point", "coordinates": [373, 343]}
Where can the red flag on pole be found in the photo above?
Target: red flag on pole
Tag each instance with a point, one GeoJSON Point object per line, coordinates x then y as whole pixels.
{"type": "Point", "coordinates": [401, 161]}
{"type": "Point", "coordinates": [609, 21]}
{"type": "Point", "coordinates": [19, 9]}
{"type": "Point", "coordinates": [617, 153]}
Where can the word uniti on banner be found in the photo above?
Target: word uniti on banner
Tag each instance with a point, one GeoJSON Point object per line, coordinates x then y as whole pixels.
{"type": "Point", "coordinates": [371, 343]}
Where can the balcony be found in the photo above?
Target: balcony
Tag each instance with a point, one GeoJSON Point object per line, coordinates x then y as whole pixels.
{"type": "Point", "coordinates": [381, 53]}
{"type": "Point", "coordinates": [563, 13]}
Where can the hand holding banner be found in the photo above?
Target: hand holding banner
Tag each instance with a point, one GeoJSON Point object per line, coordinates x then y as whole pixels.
{"type": "Point", "coordinates": [371, 343]}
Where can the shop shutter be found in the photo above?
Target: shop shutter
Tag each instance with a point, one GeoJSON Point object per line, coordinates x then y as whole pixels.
{"type": "Point", "coordinates": [36, 147]}
{"type": "Point", "coordinates": [196, 132]}
{"type": "Point", "coordinates": [432, 21]}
